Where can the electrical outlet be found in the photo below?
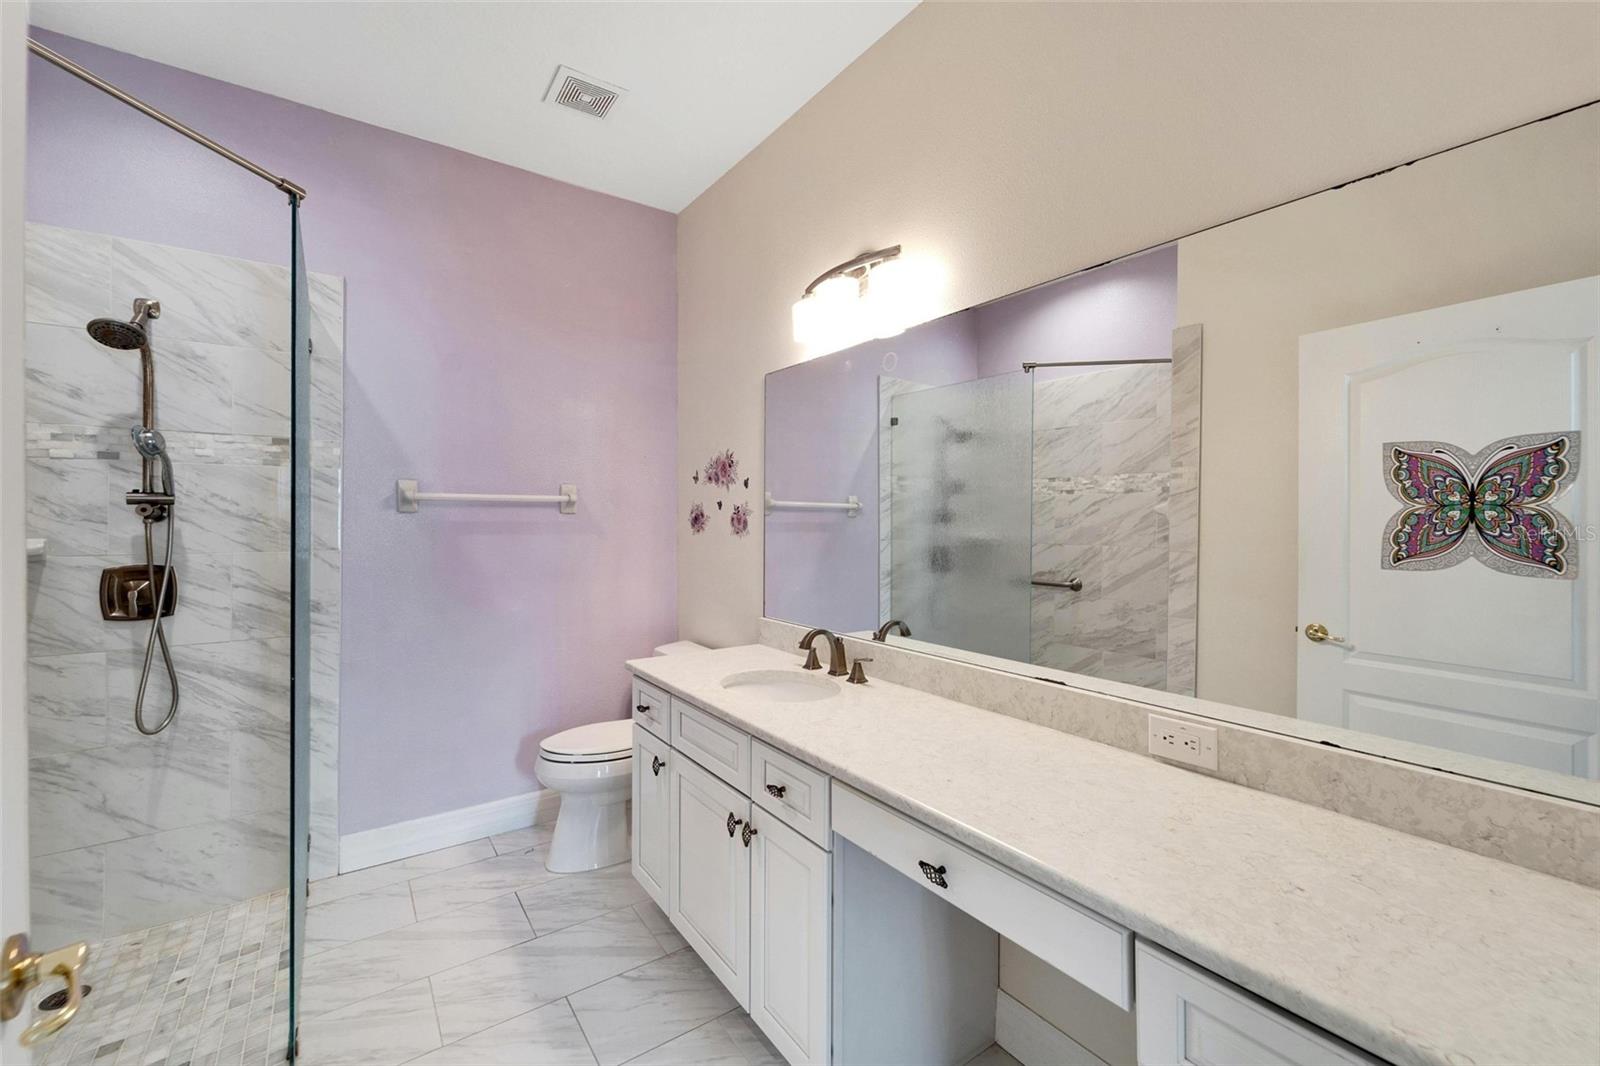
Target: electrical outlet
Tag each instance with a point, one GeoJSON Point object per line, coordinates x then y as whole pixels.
{"type": "Point", "coordinates": [1185, 742]}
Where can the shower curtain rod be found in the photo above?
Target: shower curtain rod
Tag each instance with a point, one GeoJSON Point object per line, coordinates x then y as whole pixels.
{"type": "Point", "coordinates": [57, 59]}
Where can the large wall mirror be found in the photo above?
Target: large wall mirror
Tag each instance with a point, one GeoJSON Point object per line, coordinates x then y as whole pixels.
{"type": "Point", "coordinates": [1326, 469]}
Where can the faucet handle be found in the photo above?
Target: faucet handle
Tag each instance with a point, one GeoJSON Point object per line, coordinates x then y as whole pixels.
{"type": "Point", "coordinates": [811, 662]}
{"type": "Point", "coordinates": [858, 676]}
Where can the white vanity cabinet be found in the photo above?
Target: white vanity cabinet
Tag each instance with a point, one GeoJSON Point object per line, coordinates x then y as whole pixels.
{"type": "Point", "coordinates": [747, 885]}
{"type": "Point", "coordinates": [854, 933]}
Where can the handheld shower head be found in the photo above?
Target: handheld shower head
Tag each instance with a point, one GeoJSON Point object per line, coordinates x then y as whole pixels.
{"type": "Point", "coordinates": [150, 442]}
{"type": "Point", "coordinates": [152, 445]}
{"type": "Point", "coordinates": [129, 335]}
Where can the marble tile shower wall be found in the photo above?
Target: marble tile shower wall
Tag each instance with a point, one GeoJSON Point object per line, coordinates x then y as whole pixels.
{"type": "Point", "coordinates": [1101, 466]}
{"type": "Point", "coordinates": [131, 831]}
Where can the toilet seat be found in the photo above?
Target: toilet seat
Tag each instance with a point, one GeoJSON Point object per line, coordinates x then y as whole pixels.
{"type": "Point", "coordinates": [596, 742]}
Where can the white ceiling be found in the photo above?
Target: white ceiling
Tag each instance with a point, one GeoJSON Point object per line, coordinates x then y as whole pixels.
{"type": "Point", "coordinates": [706, 82]}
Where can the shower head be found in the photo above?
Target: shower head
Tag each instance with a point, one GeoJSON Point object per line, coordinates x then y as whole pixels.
{"type": "Point", "coordinates": [126, 336]}
{"type": "Point", "coordinates": [150, 442]}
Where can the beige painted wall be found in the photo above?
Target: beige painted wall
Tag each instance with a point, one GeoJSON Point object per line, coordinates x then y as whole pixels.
{"type": "Point", "coordinates": [1510, 213]}
{"type": "Point", "coordinates": [1018, 142]}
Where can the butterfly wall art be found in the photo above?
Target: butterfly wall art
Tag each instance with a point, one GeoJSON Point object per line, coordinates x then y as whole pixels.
{"type": "Point", "coordinates": [1493, 505]}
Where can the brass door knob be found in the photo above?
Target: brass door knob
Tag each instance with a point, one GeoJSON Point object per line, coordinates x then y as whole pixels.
{"type": "Point", "coordinates": [21, 969]}
{"type": "Point", "coordinates": [1317, 633]}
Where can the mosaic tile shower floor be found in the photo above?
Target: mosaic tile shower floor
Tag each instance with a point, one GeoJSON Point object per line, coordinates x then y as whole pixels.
{"type": "Point", "coordinates": [211, 989]}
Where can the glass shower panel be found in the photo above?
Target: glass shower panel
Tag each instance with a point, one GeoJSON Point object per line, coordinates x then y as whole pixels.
{"type": "Point", "coordinates": [961, 512]}
{"type": "Point", "coordinates": [300, 616]}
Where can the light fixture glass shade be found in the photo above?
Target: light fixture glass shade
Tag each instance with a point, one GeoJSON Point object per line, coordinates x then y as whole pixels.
{"type": "Point", "coordinates": [833, 318]}
{"type": "Point", "coordinates": [804, 315]}
{"type": "Point", "coordinates": [891, 298]}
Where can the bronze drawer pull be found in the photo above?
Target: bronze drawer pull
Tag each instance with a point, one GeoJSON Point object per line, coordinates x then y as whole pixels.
{"type": "Point", "coordinates": [935, 874]}
{"type": "Point", "coordinates": [777, 790]}
{"type": "Point", "coordinates": [733, 823]}
{"type": "Point", "coordinates": [656, 764]}
{"type": "Point", "coordinates": [747, 832]}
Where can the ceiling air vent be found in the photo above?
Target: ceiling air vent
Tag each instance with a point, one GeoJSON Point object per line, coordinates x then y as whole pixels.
{"type": "Point", "coordinates": [582, 93]}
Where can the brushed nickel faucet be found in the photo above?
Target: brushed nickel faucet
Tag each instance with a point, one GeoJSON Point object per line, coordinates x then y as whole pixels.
{"type": "Point", "coordinates": [836, 656]}
{"type": "Point", "coordinates": [882, 635]}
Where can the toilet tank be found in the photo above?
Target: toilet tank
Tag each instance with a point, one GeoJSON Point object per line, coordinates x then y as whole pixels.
{"type": "Point", "coordinates": [678, 647]}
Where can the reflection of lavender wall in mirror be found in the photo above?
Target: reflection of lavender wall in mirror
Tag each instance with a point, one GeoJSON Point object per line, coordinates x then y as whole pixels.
{"type": "Point", "coordinates": [822, 444]}
{"type": "Point", "coordinates": [1123, 311]}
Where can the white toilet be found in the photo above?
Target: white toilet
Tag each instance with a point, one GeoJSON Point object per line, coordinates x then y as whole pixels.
{"type": "Point", "coordinates": [592, 767]}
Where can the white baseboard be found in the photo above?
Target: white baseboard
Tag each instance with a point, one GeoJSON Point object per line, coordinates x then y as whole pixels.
{"type": "Point", "coordinates": [402, 840]}
{"type": "Point", "coordinates": [1033, 1041]}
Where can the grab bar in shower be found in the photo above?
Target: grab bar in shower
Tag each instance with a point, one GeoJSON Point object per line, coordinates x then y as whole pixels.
{"type": "Point", "coordinates": [851, 505]}
{"type": "Point", "coordinates": [407, 496]}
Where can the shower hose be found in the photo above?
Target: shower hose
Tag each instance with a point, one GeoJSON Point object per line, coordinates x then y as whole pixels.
{"type": "Point", "coordinates": [157, 632]}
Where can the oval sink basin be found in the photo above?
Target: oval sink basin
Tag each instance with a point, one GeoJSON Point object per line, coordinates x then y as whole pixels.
{"type": "Point", "coordinates": [782, 686]}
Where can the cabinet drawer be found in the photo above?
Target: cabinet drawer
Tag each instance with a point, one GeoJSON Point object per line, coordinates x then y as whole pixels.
{"type": "Point", "coordinates": [1091, 950]}
{"type": "Point", "coordinates": [1190, 1016]}
{"type": "Point", "coordinates": [790, 791]}
{"type": "Point", "coordinates": [650, 709]}
{"type": "Point", "coordinates": [712, 743]}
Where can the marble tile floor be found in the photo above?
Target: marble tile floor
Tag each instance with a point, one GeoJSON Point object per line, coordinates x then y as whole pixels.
{"type": "Point", "coordinates": [469, 955]}
{"type": "Point", "coordinates": [209, 989]}
{"type": "Point", "coordinates": [477, 954]}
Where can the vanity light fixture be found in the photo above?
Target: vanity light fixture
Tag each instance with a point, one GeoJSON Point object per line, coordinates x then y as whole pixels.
{"type": "Point", "coordinates": [876, 294]}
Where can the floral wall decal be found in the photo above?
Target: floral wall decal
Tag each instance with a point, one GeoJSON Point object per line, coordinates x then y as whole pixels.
{"type": "Point", "coordinates": [1492, 505]}
{"type": "Point", "coordinates": [739, 520]}
{"type": "Point", "coordinates": [722, 469]}
{"type": "Point", "coordinates": [697, 518]}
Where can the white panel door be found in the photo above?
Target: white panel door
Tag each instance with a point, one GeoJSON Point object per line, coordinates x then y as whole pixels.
{"type": "Point", "coordinates": [710, 879]}
{"type": "Point", "coordinates": [790, 897]}
{"type": "Point", "coordinates": [652, 810]}
{"type": "Point", "coordinates": [1448, 646]}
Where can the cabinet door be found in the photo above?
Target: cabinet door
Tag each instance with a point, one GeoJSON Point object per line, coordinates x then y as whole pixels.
{"type": "Point", "coordinates": [651, 814]}
{"type": "Point", "coordinates": [790, 895]}
{"type": "Point", "coordinates": [710, 878]}
{"type": "Point", "coordinates": [1190, 1017]}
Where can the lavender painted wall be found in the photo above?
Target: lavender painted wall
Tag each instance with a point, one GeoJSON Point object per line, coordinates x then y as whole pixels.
{"type": "Point", "coordinates": [504, 332]}
{"type": "Point", "coordinates": [822, 444]}
{"type": "Point", "coordinates": [1124, 311]}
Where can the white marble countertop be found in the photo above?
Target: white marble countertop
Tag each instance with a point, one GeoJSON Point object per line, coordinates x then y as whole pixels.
{"type": "Point", "coordinates": [1417, 952]}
